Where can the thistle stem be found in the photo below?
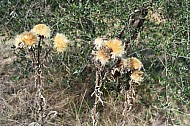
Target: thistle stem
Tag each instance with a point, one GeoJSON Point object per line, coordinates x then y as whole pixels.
{"type": "Point", "coordinates": [41, 99]}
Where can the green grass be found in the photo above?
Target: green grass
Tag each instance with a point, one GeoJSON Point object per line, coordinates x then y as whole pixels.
{"type": "Point", "coordinates": [69, 79]}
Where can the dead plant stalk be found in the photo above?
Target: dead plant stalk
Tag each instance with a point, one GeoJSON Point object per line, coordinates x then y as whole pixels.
{"type": "Point", "coordinates": [40, 100]}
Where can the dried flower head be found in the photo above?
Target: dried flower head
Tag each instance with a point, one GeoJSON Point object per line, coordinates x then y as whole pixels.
{"type": "Point", "coordinates": [42, 30]}
{"type": "Point", "coordinates": [61, 42]}
{"type": "Point", "coordinates": [103, 55]}
{"type": "Point", "coordinates": [99, 42]}
{"type": "Point", "coordinates": [135, 64]}
{"type": "Point", "coordinates": [125, 64]}
{"type": "Point", "coordinates": [29, 38]}
{"type": "Point", "coordinates": [136, 76]}
{"type": "Point", "coordinates": [18, 41]}
{"type": "Point", "coordinates": [116, 46]}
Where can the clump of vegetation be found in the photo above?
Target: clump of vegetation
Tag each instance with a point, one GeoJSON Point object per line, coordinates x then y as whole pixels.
{"type": "Point", "coordinates": [63, 73]}
{"type": "Point", "coordinates": [36, 42]}
{"type": "Point", "coordinates": [108, 61]}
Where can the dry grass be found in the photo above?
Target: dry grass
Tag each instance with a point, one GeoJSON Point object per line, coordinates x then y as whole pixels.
{"type": "Point", "coordinates": [68, 80]}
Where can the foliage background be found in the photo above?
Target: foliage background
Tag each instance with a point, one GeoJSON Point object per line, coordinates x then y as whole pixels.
{"type": "Point", "coordinates": [162, 45]}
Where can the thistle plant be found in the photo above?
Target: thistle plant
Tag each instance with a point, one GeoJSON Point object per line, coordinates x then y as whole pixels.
{"type": "Point", "coordinates": [35, 41]}
{"type": "Point", "coordinates": [108, 60]}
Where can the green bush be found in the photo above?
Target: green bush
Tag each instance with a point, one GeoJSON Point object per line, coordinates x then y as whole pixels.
{"type": "Point", "coordinates": [162, 45]}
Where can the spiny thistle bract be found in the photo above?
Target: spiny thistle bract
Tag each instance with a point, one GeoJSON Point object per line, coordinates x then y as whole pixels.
{"type": "Point", "coordinates": [60, 42]}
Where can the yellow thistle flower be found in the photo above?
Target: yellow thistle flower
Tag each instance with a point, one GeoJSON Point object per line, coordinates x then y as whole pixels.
{"type": "Point", "coordinates": [137, 76]}
{"type": "Point", "coordinates": [99, 42]}
{"type": "Point", "coordinates": [61, 42]}
{"type": "Point", "coordinates": [103, 55]}
{"type": "Point", "coordinates": [135, 63]}
{"type": "Point", "coordinates": [18, 41]}
{"type": "Point", "coordinates": [116, 46]}
{"type": "Point", "coordinates": [42, 30]}
{"type": "Point", "coordinates": [29, 38]}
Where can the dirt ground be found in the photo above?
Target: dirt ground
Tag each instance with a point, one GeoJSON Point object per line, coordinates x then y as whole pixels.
{"type": "Point", "coordinates": [6, 85]}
